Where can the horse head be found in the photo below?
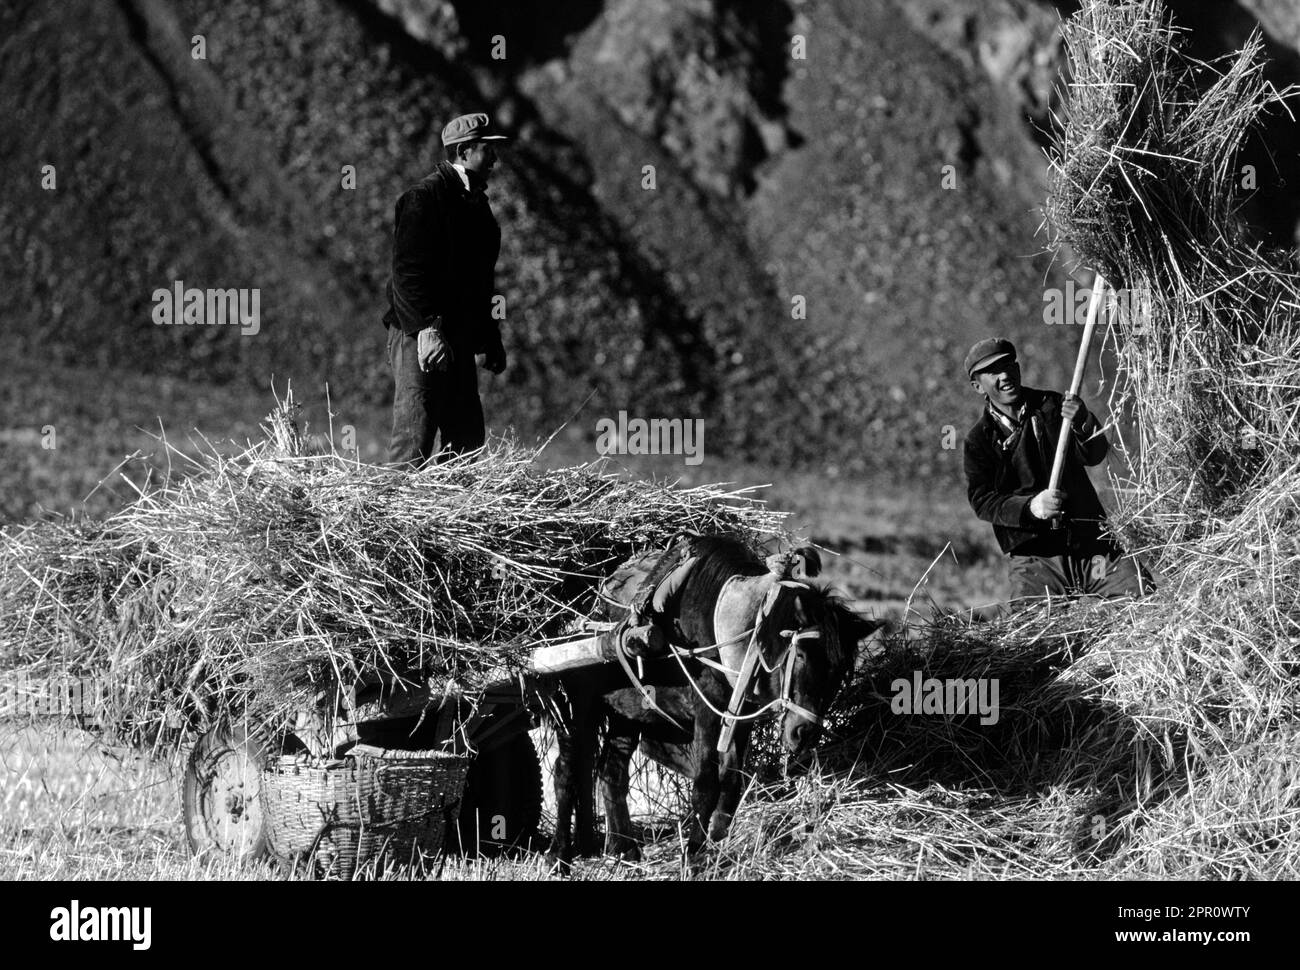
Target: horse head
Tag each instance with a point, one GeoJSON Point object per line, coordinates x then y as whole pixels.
{"type": "Point", "coordinates": [808, 640]}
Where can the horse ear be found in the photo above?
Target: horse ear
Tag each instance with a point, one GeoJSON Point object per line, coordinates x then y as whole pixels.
{"type": "Point", "coordinates": [860, 627]}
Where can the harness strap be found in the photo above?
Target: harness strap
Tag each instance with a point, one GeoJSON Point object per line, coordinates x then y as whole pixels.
{"type": "Point", "coordinates": [806, 714]}
{"type": "Point", "coordinates": [676, 556]}
{"type": "Point", "coordinates": [738, 693]}
{"type": "Point", "coordinates": [697, 652]}
{"type": "Point", "coordinates": [787, 678]}
{"type": "Point", "coordinates": [722, 713]}
{"type": "Point", "coordinates": [647, 695]}
{"type": "Point", "coordinates": [794, 637]}
{"type": "Point", "coordinates": [713, 664]}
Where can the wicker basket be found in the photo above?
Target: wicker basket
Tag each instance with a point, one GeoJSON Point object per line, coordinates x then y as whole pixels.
{"type": "Point", "coordinates": [373, 805]}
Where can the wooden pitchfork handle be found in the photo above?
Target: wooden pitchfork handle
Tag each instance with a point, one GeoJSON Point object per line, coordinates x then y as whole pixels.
{"type": "Point", "coordinates": [1080, 365]}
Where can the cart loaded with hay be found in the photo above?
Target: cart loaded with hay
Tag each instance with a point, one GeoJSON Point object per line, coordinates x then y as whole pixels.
{"type": "Point", "coordinates": [350, 657]}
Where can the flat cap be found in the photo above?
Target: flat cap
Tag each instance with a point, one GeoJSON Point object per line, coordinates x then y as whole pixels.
{"type": "Point", "coordinates": [475, 127]}
{"type": "Point", "coordinates": [986, 352]}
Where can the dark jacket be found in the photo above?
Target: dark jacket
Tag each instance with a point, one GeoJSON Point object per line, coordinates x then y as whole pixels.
{"type": "Point", "coordinates": [1002, 478]}
{"type": "Point", "coordinates": [445, 247]}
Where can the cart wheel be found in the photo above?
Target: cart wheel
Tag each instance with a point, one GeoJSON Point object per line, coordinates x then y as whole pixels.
{"type": "Point", "coordinates": [221, 795]}
{"type": "Point", "coordinates": [502, 804]}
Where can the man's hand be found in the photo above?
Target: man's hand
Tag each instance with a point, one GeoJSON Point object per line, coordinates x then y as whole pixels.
{"type": "Point", "coordinates": [1047, 504]}
{"type": "Point", "coordinates": [433, 350]}
{"type": "Point", "coordinates": [1074, 410]}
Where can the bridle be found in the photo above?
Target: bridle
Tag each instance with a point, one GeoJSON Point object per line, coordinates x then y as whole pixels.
{"type": "Point", "coordinates": [744, 681]}
{"type": "Point", "coordinates": [789, 657]}
{"type": "Point", "coordinates": [743, 678]}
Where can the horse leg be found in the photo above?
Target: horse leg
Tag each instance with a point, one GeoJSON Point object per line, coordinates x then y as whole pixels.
{"type": "Point", "coordinates": [587, 730]}
{"type": "Point", "coordinates": [729, 768]}
{"type": "Point", "coordinates": [561, 851]}
{"type": "Point", "coordinates": [705, 788]}
{"type": "Point", "coordinates": [576, 741]}
{"type": "Point", "coordinates": [621, 740]}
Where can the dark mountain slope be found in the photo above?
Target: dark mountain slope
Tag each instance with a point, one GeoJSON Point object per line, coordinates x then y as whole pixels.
{"type": "Point", "coordinates": [776, 178]}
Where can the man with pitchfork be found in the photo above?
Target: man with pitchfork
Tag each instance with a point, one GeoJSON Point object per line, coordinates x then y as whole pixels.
{"type": "Point", "coordinates": [1054, 537]}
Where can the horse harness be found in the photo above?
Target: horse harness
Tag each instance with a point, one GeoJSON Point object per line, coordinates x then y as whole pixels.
{"type": "Point", "coordinates": [743, 679]}
{"type": "Point", "coordinates": [674, 565]}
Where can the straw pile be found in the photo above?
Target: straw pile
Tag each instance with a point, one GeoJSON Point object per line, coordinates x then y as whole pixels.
{"type": "Point", "coordinates": [1146, 182]}
{"type": "Point", "coordinates": [266, 580]}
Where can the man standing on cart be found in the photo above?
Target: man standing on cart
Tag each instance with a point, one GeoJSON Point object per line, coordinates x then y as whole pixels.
{"type": "Point", "coordinates": [440, 294]}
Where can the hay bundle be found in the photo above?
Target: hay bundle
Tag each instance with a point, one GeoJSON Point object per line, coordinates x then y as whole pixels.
{"type": "Point", "coordinates": [1146, 187]}
{"type": "Point", "coordinates": [276, 576]}
{"type": "Point", "coordinates": [1146, 182]}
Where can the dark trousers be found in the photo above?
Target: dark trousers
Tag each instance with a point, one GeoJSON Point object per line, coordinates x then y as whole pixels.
{"type": "Point", "coordinates": [429, 403]}
{"type": "Point", "coordinates": [1104, 573]}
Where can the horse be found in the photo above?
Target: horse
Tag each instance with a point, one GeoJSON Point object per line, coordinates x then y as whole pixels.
{"type": "Point", "coordinates": [805, 638]}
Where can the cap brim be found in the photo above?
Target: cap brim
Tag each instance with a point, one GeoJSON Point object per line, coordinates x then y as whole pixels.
{"type": "Point", "coordinates": [981, 364]}
{"type": "Point", "coordinates": [466, 141]}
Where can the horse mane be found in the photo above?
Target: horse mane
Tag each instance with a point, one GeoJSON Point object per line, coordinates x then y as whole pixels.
{"type": "Point", "coordinates": [822, 602]}
{"type": "Point", "coordinates": [838, 607]}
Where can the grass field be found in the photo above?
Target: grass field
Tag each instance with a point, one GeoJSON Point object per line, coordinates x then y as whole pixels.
{"type": "Point", "coordinates": [72, 810]}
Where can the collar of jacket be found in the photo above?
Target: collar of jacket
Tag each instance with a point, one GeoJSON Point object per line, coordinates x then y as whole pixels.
{"type": "Point", "coordinates": [1031, 404]}
{"type": "Point", "coordinates": [472, 181]}
{"type": "Point", "coordinates": [1008, 423]}
{"type": "Point", "coordinates": [450, 178]}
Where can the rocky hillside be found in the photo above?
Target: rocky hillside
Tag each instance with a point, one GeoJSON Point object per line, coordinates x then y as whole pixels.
{"type": "Point", "coordinates": [845, 196]}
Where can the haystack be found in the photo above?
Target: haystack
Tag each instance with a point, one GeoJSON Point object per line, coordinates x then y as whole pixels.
{"type": "Point", "coordinates": [1146, 183]}
{"type": "Point", "coordinates": [267, 581]}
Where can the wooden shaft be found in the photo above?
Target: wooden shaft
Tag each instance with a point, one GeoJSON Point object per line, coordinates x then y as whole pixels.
{"type": "Point", "coordinates": [738, 696]}
{"type": "Point", "coordinates": [1080, 365]}
{"type": "Point", "coordinates": [574, 655]}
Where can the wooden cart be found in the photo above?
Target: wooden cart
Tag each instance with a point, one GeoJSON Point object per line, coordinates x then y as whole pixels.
{"type": "Point", "coordinates": [501, 805]}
